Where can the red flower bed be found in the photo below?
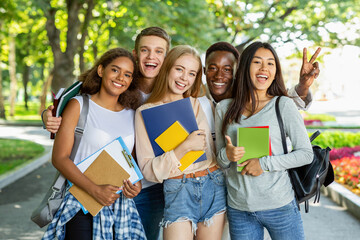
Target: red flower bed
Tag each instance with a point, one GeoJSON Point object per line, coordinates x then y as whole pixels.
{"type": "Point", "coordinates": [347, 171]}
{"type": "Point", "coordinates": [313, 122]}
{"type": "Point", "coordinates": [343, 152]}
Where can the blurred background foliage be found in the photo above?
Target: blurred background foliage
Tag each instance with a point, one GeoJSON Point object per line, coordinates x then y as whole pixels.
{"type": "Point", "coordinates": [45, 44]}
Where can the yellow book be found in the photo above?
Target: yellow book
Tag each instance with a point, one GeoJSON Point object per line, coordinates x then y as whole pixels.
{"type": "Point", "coordinates": [171, 138]}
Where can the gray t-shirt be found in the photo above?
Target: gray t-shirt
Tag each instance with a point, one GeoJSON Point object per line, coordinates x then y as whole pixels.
{"type": "Point", "coordinates": [272, 189]}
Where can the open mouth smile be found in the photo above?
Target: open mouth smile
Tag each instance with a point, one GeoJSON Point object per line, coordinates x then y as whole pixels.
{"type": "Point", "coordinates": [118, 84]}
{"type": "Point", "coordinates": [180, 84]}
{"type": "Point", "coordinates": [151, 65]}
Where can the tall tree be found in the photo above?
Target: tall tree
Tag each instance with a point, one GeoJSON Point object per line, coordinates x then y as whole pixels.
{"type": "Point", "coordinates": [12, 71]}
{"type": "Point", "coordinates": [64, 59]}
{"type": "Point", "coordinates": [2, 107]}
{"type": "Point", "coordinates": [283, 21]}
{"type": "Point", "coordinates": [8, 13]}
{"type": "Point", "coordinates": [31, 45]}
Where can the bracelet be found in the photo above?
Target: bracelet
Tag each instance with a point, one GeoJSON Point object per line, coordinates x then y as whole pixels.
{"type": "Point", "coordinates": [42, 119]}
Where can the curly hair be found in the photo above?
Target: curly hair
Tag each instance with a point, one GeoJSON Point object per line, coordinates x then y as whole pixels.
{"type": "Point", "coordinates": [131, 98]}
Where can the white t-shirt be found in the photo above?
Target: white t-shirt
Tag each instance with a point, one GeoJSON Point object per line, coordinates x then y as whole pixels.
{"type": "Point", "coordinates": [103, 126]}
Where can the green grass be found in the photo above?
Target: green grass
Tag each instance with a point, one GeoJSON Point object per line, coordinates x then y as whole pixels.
{"type": "Point", "coordinates": [23, 116]}
{"type": "Point", "coordinates": [15, 152]}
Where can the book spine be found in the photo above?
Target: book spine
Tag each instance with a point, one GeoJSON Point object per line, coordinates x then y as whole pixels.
{"type": "Point", "coordinates": [55, 104]}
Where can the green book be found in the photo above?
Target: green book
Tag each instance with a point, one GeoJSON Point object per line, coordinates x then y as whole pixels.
{"type": "Point", "coordinates": [65, 97]}
{"type": "Point", "coordinates": [256, 142]}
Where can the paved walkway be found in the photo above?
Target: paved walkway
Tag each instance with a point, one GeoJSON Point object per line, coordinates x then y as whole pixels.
{"type": "Point", "coordinates": [325, 220]}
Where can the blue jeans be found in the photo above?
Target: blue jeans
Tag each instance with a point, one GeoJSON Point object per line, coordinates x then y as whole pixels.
{"type": "Point", "coordinates": [282, 223]}
{"type": "Point", "coordinates": [150, 205]}
{"type": "Point", "coordinates": [194, 199]}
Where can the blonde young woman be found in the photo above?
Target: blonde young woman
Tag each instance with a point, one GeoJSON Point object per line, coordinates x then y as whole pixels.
{"type": "Point", "coordinates": [195, 198]}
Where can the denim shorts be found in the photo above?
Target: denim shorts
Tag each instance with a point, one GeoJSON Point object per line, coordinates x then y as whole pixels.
{"type": "Point", "coordinates": [194, 199]}
{"type": "Point", "coordinates": [282, 223]}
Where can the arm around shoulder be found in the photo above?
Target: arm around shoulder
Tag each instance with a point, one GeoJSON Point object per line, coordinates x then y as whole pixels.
{"type": "Point", "coordinates": [50, 123]}
{"type": "Point", "coordinates": [302, 103]}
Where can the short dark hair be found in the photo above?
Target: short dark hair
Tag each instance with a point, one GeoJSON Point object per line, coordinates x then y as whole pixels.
{"type": "Point", "coordinates": [153, 31]}
{"type": "Point", "coordinates": [92, 81]}
{"type": "Point", "coordinates": [222, 46]}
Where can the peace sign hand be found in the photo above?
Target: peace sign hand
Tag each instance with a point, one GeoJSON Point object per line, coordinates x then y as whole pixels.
{"type": "Point", "coordinates": [309, 69]}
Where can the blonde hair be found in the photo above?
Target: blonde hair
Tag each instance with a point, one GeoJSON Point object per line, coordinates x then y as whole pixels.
{"type": "Point", "coordinates": [161, 85]}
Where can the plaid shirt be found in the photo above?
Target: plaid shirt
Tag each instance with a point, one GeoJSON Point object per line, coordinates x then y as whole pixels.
{"type": "Point", "coordinates": [124, 219]}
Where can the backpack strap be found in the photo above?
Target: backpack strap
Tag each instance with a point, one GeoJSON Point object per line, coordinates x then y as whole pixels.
{"type": "Point", "coordinates": [283, 140]}
{"type": "Point", "coordinates": [79, 130]}
{"type": "Point", "coordinates": [281, 124]}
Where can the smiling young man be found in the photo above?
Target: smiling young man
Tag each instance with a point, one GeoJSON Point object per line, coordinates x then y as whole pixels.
{"type": "Point", "coordinates": [151, 46]}
{"type": "Point", "coordinates": [221, 60]}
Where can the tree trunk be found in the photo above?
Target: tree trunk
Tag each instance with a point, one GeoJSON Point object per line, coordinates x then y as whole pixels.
{"type": "Point", "coordinates": [84, 34]}
{"type": "Point", "coordinates": [44, 92]}
{"type": "Point", "coordinates": [2, 107]}
{"type": "Point", "coordinates": [95, 50]}
{"type": "Point", "coordinates": [12, 71]}
{"type": "Point", "coordinates": [25, 79]}
{"type": "Point", "coordinates": [241, 46]}
{"type": "Point", "coordinates": [63, 61]}
{"type": "Point", "coordinates": [63, 75]}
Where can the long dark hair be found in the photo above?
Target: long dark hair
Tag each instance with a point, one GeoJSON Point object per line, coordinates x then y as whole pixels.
{"type": "Point", "coordinates": [244, 90]}
{"type": "Point", "coordinates": [92, 81]}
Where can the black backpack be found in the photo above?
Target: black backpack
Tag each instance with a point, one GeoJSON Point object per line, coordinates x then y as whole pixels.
{"type": "Point", "coordinates": [308, 179]}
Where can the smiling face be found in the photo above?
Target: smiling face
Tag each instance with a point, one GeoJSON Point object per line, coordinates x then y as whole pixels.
{"type": "Point", "coordinates": [182, 75]}
{"type": "Point", "coordinates": [219, 71]}
{"type": "Point", "coordinates": [116, 76]}
{"type": "Point", "coordinates": [150, 55]}
{"type": "Point", "coordinates": [262, 69]}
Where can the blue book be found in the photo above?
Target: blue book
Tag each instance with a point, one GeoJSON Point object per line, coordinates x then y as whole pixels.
{"type": "Point", "coordinates": [159, 118]}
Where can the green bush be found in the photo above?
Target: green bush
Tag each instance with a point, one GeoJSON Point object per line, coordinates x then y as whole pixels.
{"type": "Point", "coordinates": [337, 139]}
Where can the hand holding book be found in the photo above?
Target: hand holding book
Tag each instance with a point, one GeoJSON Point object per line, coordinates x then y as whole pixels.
{"type": "Point", "coordinates": [251, 167]}
{"type": "Point", "coordinates": [62, 98]}
{"type": "Point", "coordinates": [175, 136]}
